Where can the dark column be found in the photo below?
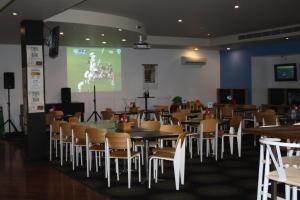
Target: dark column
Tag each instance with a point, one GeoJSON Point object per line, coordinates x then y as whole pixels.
{"type": "Point", "coordinates": [33, 89]}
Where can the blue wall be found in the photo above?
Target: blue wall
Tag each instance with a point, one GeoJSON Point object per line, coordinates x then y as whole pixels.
{"type": "Point", "coordinates": [236, 63]}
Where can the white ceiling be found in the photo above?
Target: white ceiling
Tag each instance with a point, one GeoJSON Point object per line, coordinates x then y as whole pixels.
{"type": "Point", "coordinates": [200, 17]}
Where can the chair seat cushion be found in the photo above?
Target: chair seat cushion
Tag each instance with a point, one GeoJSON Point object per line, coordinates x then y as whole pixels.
{"type": "Point", "coordinates": [292, 176]}
{"type": "Point", "coordinates": [122, 154]}
{"type": "Point", "coordinates": [164, 154]}
{"type": "Point", "coordinates": [165, 149]}
{"type": "Point", "coordinates": [97, 147]}
{"type": "Point", "coordinates": [141, 143]}
{"type": "Point", "coordinates": [292, 161]}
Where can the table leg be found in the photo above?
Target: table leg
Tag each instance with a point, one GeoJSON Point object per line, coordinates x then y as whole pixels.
{"type": "Point", "coordinates": [146, 156]}
{"type": "Point", "coordinates": [274, 190]}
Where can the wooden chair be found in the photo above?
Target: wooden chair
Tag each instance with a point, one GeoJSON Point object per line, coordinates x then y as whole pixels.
{"type": "Point", "coordinates": [54, 136]}
{"type": "Point", "coordinates": [125, 127]}
{"type": "Point", "coordinates": [78, 142]}
{"type": "Point", "coordinates": [73, 120]}
{"type": "Point", "coordinates": [58, 114]}
{"type": "Point", "coordinates": [118, 146]}
{"type": "Point", "coordinates": [95, 142]}
{"type": "Point", "coordinates": [107, 115]}
{"type": "Point", "coordinates": [226, 112]}
{"type": "Point", "coordinates": [208, 131]}
{"type": "Point", "coordinates": [66, 139]}
{"type": "Point", "coordinates": [270, 119]}
{"type": "Point", "coordinates": [177, 157]}
{"type": "Point", "coordinates": [235, 124]}
{"type": "Point", "coordinates": [290, 176]}
{"type": "Point", "coordinates": [78, 115]}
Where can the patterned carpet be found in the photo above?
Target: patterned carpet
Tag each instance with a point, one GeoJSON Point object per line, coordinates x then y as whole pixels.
{"type": "Point", "coordinates": [227, 179]}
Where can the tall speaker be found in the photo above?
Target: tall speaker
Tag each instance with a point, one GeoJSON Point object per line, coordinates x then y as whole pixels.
{"type": "Point", "coordinates": [9, 80]}
{"type": "Point", "coordinates": [66, 95]}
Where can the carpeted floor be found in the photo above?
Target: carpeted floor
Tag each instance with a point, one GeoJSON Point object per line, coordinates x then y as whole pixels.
{"type": "Point", "coordinates": [227, 179]}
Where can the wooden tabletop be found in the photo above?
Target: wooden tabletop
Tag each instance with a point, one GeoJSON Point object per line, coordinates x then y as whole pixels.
{"type": "Point", "coordinates": [283, 132]}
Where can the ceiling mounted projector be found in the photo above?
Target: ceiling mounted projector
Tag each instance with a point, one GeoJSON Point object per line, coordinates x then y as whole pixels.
{"type": "Point", "coordinates": [141, 44]}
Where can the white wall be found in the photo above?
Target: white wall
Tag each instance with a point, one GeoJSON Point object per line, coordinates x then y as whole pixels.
{"type": "Point", "coordinates": [190, 82]}
{"type": "Point", "coordinates": [262, 72]}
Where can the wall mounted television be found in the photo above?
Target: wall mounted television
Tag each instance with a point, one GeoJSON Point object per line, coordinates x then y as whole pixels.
{"type": "Point", "coordinates": [285, 72]}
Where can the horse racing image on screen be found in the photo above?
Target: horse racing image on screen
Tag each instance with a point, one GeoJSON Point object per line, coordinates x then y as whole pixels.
{"type": "Point", "coordinates": [87, 67]}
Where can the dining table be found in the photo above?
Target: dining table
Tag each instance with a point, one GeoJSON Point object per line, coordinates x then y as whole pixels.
{"type": "Point", "coordinates": [146, 135]}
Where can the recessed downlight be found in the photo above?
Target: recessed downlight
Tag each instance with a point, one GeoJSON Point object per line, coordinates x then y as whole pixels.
{"type": "Point", "coordinates": [180, 20]}
{"type": "Point", "coordinates": [236, 6]}
{"type": "Point", "coordinates": [119, 29]}
{"type": "Point", "coordinates": [208, 34]}
{"type": "Point", "coordinates": [87, 39]}
{"type": "Point", "coordinates": [14, 14]}
{"type": "Point", "coordinates": [123, 40]}
{"type": "Point", "coordinates": [102, 34]}
{"type": "Point", "coordinates": [228, 48]}
{"type": "Point", "coordinates": [287, 38]}
{"type": "Point", "coordinates": [104, 42]}
{"type": "Point", "coordinates": [196, 49]}
{"type": "Point", "coordinates": [61, 33]}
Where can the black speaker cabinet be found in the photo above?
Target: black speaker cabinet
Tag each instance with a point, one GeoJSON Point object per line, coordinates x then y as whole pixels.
{"type": "Point", "coordinates": [9, 80]}
{"type": "Point", "coordinates": [66, 95]}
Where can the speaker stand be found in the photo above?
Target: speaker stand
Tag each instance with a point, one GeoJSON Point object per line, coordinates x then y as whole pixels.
{"type": "Point", "coordinates": [9, 121]}
{"type": "Point", "coordinates": [94, 113]}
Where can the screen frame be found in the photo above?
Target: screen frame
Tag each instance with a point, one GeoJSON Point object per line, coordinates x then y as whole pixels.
{"type": "Point", "coordinates": [276, 66]}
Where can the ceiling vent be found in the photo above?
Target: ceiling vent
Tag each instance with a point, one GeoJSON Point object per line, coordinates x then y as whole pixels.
{"type": "Point", "coordinates": [192, 61]}
{"type": "Point", "coordinates": [268, 33]}
{"type": "Point", "coordinates": [5, 3]}
{"type": "Point", "coordinates": [141, 44]}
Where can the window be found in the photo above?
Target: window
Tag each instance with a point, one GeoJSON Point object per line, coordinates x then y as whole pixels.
{"type": "Point", "coordinates": [150, 76]}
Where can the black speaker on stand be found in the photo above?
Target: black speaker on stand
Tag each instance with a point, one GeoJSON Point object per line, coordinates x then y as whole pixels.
{"type": "Point", "coordinates": [9, 83]}
{"type": "Point", "coordinates": [66, 95]}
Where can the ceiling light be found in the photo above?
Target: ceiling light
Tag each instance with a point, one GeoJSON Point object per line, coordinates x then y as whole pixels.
{"type": "Point", "coordinates": [119, 29]}
{"type": "Point", "coordinates": [103, 42]}
{"type": "Point", "coordinates": [102, 34]}
{"type": "Point", "coordinates": [180, 20]}
{"type": "Point", "coordinates": [123, 40]}
{"type": "Point", "coordinates": [14, 14]}
{"type": "Point", "coordinates": [196, 49]}
{"type": "Point", "coordinates": [287, 38]}
{"type": "Point", "coordinates": [61, 33]}
{"type": "Point", "coordinates": [208, 34]}
{"type": "Point", "coordinates": [87, 39]}
{"type": "Point", "coordinates": [236, 6]}
{"type": "Point", "coordinates": [228, 49]}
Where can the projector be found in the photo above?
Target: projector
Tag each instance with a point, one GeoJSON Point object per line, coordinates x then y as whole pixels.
{"type": "Point", "coordinates": [142, 45]}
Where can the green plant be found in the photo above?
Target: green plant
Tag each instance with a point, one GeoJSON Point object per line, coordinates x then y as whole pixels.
{"type": "Point", "coordinates": [177, 100]}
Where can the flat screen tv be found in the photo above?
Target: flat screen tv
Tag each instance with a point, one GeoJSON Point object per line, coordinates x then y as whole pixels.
{"type": "Point", "coordinates": [54, 42]}
{"type": "Point", "coordinates": [285, 72]}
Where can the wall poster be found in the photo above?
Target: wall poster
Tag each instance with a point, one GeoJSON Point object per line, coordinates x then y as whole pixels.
{"type": "Point", "coordinates": [35, 78]}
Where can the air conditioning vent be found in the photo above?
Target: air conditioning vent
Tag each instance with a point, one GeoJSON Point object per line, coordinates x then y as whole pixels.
{"type": "Point", "coordinates": [269, 33]}
{"type": "Point", "coordinates": [192, 61]}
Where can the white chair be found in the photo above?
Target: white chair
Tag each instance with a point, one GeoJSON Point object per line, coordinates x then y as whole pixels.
{"type": "Point", "coordinates": [177, 157]}
{"type": "Point", "coordinates": [78, 142]}
{"type": "Point", "coordinates": [289, 175]}
{"type": "Point", "coordinates": [54, 137]}
{"type": "Point", "coordinates": [232, 134]}
{"type": "Point", "coordinates": [208, 130]}
{"type": "Point", "coordinates": [65, 139]}
{"type": "Point", "coordinates": [118, 146]}
{"type": "Point", "coordinates": [95, 142]}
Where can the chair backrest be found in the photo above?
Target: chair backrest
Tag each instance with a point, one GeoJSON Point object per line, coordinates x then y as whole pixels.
{"type": "Point", "coordinates": [78, 115]}
{"type": "Point", "coordinates": [125, 127]}
{"type": "Point", "coordinates": [118, 140]}
{"type": "Point", "coordinates": [258, 118]}
{"type": "Point", "coordinates": [274, 151]}
{"type": "Point", "coordinates": [151, 125]}
{"type": "Point", "coordinates": [171, 129]}
{"type": "Point", "coordinates": [96, 135]}
{"type": "Point", "coordinates": [235, 121]}
{"type": "Point", "coordinates": [107, 115]}
{"type": "Point", "coordinates": [180, 146]}
{"type": "Point", "coordinates": [49, 118]}
{"type": "Point", "coordinates": [66, 130]}
{"type": "Point", "coordinates": [180, 116]}
{"type": "Point", "coordinates": [270, 119]}
{"type": "Point", "coordinates": [58, 114]}
{"type": "Point", "coordinates": [73, 120]}
{"type": "Point", "coordinates": [209, 125]}
{"type": "Point", "coordinates": [54, 126]}
{"type": "Point", "coordinates": [79, 130]}
{"type": "Point", "coordinates": [226, 111]}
